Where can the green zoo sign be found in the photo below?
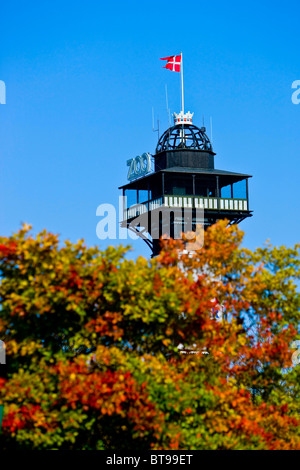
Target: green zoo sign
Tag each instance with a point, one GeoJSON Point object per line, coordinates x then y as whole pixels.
{"type": "Point", "coordinates": [139, 166]}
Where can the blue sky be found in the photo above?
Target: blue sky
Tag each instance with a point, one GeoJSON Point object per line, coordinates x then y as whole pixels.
{"type": "Point", "coordinates": [81, 81]}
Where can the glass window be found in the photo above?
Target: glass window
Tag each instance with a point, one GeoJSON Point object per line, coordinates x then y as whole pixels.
{"type": "Point", "coordinates": [239, 190]}
{"type": "Point", "coordinates": [211, 191]}
{"type": "Point", "coordinates": [179, 191]}
{"type": "Point", "coordinates": [179, 185]}
{"type": "Point", "coordinates": [206, 187]}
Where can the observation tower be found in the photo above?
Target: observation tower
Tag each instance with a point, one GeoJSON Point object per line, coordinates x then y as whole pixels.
{"type": "Point", "coordinates": [184, 180]}
{"type": "Point", "coordinates": [178, 187]}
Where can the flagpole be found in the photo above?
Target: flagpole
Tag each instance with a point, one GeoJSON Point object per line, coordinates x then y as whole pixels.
{"type": "Point", "coordinates": [182, 96]}
{"type": "Point", "coordinates": [182, 100]}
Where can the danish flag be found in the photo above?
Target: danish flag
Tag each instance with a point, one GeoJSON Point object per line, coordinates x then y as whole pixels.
{"type": "Point", "coordinates": [173, 64]}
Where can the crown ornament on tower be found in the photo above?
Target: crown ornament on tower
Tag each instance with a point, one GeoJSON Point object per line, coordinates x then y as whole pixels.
{"type": "Point", "coordinates": [182, 118]}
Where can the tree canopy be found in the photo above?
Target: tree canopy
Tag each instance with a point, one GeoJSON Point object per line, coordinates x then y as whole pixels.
{"type": "Point", "coordinates": [92, 345]}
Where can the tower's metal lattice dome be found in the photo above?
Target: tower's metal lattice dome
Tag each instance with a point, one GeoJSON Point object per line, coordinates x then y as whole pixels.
{"type": "Point", "coordinates": [184, 136]}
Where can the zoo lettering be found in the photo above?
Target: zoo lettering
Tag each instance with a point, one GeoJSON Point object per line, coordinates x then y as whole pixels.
{"type": "Point", "coordinates": [139, 166]}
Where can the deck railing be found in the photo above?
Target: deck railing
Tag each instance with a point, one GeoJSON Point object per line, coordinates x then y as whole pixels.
{"type": "Point", "coordinates": [210, 203]}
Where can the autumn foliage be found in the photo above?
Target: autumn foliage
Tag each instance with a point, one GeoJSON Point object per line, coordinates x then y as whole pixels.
{"type": "Point", "coordinates": [94, 345]}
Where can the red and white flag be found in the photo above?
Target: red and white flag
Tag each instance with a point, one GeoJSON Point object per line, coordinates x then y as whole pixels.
{"type": "Point", "coordinates": [174, 63]}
